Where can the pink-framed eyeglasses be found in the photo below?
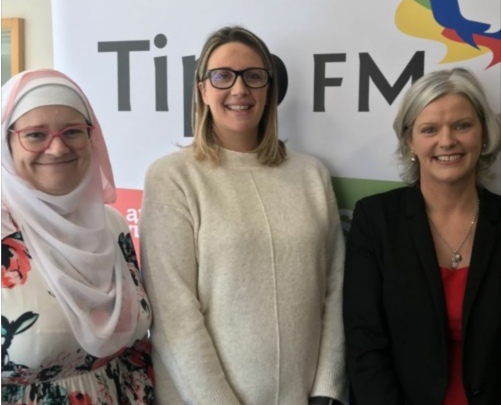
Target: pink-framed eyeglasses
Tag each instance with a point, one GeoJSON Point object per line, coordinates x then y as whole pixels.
{"type": "Point", "coordinates": [75, 137]}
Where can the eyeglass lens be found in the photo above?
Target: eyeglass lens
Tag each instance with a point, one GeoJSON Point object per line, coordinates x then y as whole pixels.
{"type": "Point", "coordinates": [39, 139]}
{"type": "Point", "coordinates": [226, 78]}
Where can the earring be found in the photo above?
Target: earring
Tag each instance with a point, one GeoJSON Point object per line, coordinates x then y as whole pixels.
{"type": "Point", "coordinates": [484, 145]}
{"type": "Point", "coordinates": [413, 157]}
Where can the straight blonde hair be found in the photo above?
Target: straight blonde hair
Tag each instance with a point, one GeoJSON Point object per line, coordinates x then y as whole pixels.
{"type": "Point", "coordinates": [270, 151]}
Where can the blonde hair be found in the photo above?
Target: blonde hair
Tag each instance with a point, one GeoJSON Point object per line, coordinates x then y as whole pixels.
{"type": "Point", "coordinates": [270, 151]}
{"type": "Point", "coordinates": [429, 88]}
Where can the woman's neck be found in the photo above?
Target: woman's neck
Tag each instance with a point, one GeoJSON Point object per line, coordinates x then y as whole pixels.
{"type": "Point", "coordinates": [445, 199]}
{"type": "Point", "coordinates": [238, 142]}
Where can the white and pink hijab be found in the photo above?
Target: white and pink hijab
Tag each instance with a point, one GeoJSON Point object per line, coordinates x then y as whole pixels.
{"type": "Point", "coordinates": [68, 236]}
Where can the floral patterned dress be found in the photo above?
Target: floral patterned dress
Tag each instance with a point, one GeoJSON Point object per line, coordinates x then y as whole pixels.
{"type": "Point", "coordinates": [42, 362]}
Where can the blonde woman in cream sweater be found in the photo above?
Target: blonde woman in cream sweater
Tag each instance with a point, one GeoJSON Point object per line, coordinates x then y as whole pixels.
{"type": "Point", "coordinates": [242, 249]}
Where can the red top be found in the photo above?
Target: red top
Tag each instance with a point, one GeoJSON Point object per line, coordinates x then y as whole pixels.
{"type": "Point", "coordinates": [454, 287]}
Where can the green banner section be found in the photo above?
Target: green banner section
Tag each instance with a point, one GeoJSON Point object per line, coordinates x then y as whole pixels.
{"type": "Point", "coordinates": [349, 191]}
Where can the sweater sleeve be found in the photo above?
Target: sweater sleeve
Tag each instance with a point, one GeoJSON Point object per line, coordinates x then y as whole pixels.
{"type": "Point", "coordinates": [179, 336]}
{"type": "Point", "coordinates": [368, 351]}
{"type": "Point", "coordinates": [330, 379]}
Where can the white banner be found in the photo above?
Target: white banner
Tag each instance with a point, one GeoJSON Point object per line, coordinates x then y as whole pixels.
{"type": "Point", "coordinates": [347, 64]}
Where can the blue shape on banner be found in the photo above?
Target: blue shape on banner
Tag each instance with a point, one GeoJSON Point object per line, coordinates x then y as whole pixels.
{"type": "Point", "coordinates": [448, 14]}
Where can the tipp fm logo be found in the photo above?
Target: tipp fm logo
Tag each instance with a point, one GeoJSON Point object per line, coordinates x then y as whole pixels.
{"type": "Point", "coordinates": [442, 21]}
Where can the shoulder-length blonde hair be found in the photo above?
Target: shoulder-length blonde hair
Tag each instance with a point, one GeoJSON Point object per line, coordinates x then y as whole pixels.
{"type": "Point", "coordinates": [429, 88]}
{"type": "Point", "coordinates": [271, 151]}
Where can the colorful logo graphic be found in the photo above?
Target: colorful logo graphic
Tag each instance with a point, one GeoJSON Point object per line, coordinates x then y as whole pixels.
{"type": "Point", "coordinates": [442, 21]}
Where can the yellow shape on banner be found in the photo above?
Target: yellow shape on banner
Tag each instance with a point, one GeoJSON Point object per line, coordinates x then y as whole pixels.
{"type": "Point", "coordinates": [415, 20]}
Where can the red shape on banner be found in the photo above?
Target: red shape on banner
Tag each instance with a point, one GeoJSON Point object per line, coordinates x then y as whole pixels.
{"type": "Point", "coordinates": [493, 44]}
{"type": "Point", "coordinates": [129, 204]}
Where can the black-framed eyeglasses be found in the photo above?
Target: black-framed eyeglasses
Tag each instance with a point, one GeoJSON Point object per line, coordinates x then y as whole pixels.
{"type": "Point", "coordinates": [254, 78]}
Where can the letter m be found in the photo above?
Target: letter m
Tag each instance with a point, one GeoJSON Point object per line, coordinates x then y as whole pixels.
{"type": "Point", "coordinates": [369, 70]}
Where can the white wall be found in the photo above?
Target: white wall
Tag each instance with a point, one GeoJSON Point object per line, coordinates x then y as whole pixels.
{"type": "Point", "coordinates": [37, 16]}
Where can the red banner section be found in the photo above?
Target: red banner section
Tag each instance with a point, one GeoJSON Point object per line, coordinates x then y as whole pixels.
{"type": "Point", "coordinates": [129, 204]}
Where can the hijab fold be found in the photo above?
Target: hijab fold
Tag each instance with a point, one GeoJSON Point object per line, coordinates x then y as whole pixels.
{"type": "Point", "coordinates": [69, 237]}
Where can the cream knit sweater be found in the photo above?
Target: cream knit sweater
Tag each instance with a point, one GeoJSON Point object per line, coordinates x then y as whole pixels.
{"type": "Point", "coordinates": [243, 265]}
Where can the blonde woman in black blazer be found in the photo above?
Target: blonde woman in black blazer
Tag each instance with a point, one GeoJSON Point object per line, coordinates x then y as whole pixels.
{"type": "Point", "coordinates": [422, 293]}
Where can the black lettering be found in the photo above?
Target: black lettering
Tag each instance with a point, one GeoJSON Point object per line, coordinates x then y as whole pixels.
{"type": "Point", "coordinates": [161, 103]}
{"type": "Point", "coordinates": [282, 77]}
{"type": "Point", "coordinates": [189, 66]}
{"type": "Point", "coordinates": [123, 50]}
{"type": "Point", "coordinates": [161, 83]}
{"type": "Point", "coordinates": [369, 70]}
{"type": "Point", "coordinates": [320, 82]}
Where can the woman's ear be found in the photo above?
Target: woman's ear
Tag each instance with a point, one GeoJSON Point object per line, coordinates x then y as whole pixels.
{"type": "Point", "coordinates": [201, 90]}
{"type": "Point", "coordinates": [408, 135]}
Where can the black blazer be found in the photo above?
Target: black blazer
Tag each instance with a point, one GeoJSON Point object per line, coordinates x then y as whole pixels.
{"type": "Point", "coordinates": [394, 306]}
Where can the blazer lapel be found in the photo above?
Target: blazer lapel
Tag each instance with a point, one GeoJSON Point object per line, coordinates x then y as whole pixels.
{"type": "Point", "coordinates": [423, 242]}
{"type": "Point", "coordinates": [482, 252]}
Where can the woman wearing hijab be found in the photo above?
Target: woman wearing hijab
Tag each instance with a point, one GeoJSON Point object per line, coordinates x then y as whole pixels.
{"type": "Point", "coordinates": [74, 313]}
{"type": "Point", "coordinates": [243, 249]}
{"type": "Point", "coordinates": [422, 302]}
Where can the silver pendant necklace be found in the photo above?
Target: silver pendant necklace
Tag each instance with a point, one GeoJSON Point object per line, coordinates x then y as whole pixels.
{"type": "Point", "coordinates": [456, 256]}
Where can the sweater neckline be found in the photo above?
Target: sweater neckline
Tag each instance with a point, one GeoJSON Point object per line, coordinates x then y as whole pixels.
{"type": "Point", "coordinates": [232, 159]}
